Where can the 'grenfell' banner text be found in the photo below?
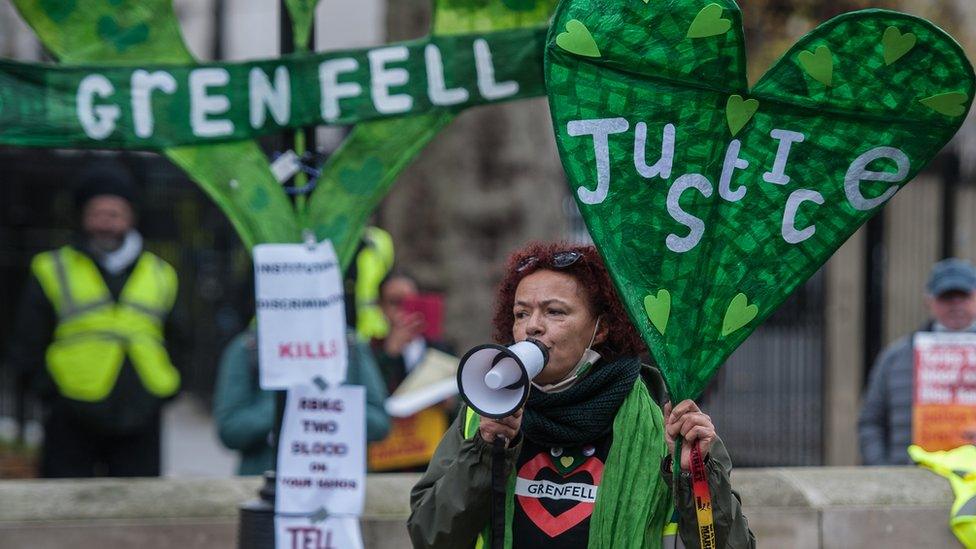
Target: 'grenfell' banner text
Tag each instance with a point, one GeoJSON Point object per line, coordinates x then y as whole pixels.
{"type": "Point", "coordinates": [156, 106]}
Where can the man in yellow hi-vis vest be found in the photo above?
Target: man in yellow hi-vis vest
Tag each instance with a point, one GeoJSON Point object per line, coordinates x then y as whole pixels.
{"type": "Point", "coordinates": [90, 337]}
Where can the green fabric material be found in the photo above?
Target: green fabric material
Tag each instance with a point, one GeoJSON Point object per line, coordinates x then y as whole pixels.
{"type": "Point", "coordinates": [633, 503]}
{"type": "Point", "coordinates": [348, 192]}
{"type": "Point", "coordinates": [42, 105]}
{"type": "Point", "coordinates": [718, 237]}
{"type": "Point", "coordinates": [244, 414]}
{"type": "Point", "coordinates": [302, 13]}
{"type": "Point", "coordinates": [237, 176]}
{"type": "Point", "coordinates": [584, 412]}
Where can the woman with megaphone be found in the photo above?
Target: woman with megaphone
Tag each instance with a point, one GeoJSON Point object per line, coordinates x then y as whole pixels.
{"type": "Point", "coordinates": [566, 438]}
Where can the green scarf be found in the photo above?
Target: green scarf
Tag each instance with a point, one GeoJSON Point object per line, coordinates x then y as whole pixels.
{"type": "Point", "coordinates": [584, 412]}
{"type": "Point", "coordinates": [633, 503]}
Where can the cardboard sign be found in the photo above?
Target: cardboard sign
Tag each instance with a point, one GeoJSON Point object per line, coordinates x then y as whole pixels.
{"type": "Point", "coordinates": [433, 380]}
{"type": "Point", "coordinates": [321, 461]}
{"type": "Point", "coordinates": [411, 442]}
{"type": "Point", "coordinates": [944, 413]}
{"type": "Point", "coordinates": [304, 533]}
{"type": "Point", "coordinates": [301, 315]}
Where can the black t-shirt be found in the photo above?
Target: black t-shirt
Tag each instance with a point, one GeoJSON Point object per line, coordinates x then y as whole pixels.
{"type": "Point", "coordinates": [555, 491]}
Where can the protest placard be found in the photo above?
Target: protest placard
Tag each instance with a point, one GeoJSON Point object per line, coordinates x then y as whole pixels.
{"type": "Point", "coordinates": [944, 411]}
{"type": "Point", "coordinates": [305, 533]}
{"type": "Point", "coordinates": [301, 315]}
{"type": "Point", "coordinates": [321, 461]}
{"type": "Point", "coordinates": [411, 442]}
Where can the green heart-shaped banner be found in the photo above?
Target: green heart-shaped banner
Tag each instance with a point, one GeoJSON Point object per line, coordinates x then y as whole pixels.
{"type": "Point", "coordinates": [712, 202]}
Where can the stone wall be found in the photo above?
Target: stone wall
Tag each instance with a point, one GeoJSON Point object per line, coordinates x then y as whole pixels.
{"type": "Point", "coordinates": [814, 508]}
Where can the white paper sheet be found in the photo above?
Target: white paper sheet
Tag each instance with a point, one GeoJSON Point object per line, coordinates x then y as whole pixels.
{"type": "Point", "coordinates": [321, 456]}
{"type": "Point", "coordinates": [301, 315]}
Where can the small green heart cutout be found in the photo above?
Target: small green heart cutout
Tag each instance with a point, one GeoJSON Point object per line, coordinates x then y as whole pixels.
{"type": "Point", "coordinates": [739, 314]}
{"type": "Point", "coordinates": [658, 309]}
{"type": "Point", "coordinates": [578, 40]}
{"type": "Point", "coordinates": [950, 104]}
{"type": "Point", "coordinates": [896, 44]}
{"type": "Point", "coordinates": [739, 112]}
{"type": "Point", "coordinates": [709, 22]}
{"type": "Point", "coordinates": [819, 65]}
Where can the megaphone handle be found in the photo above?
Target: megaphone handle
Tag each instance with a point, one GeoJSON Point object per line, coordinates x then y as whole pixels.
{"type": "Point", "coordinates": [498, 492]}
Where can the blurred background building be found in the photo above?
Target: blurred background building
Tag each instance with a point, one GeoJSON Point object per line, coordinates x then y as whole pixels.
{"type": "Point", "coordinates": [490, 182]}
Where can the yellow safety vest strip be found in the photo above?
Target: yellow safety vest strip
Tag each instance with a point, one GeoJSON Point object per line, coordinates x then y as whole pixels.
{"type": "Point", "coordinates": [959, 467]}
{"type": "Point", "coordinates": [373, 263]}
{"type": "Point", "coordinates": [95, 333]}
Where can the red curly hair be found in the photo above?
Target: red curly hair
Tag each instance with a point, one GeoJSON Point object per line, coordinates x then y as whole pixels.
{"type": "Point", "coordinates": [593, 278]}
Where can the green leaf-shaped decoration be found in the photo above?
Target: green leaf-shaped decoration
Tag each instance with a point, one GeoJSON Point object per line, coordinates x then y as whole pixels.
{"type": "Point", "coordinates": [728, 204]}
{"type": "Point", "coordinates": [739, 112]}
{"type": "Point", "coordinates": [897, 45]}
{"type": "Point", "coordinates": [953, 104]}
{"type": "Point", "coordinates": [709, 22]}
{"type": "Point", "coordinates": [577, 40]}
{"type": "Point", "coordinates": [819, 64]}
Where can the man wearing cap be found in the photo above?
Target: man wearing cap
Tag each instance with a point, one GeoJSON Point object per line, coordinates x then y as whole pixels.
{"type": "Point", "coordinates": [885, 424]}
{"type": "Point", "coordinates": [90, 338]}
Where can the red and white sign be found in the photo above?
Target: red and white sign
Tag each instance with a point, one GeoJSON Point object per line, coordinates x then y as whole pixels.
{"type": "Point", "coordinates": [331, 533]}
{"type": "Point", "coordinates": [944, 411]}
{"type": "Point", "coordinates": [301, 315]}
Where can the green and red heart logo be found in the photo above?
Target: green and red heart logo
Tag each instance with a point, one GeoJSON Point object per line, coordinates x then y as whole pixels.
{"type": "Point", "coordinates": [710, 201]}
{"type": "Point", "coordinates": [531, 487]}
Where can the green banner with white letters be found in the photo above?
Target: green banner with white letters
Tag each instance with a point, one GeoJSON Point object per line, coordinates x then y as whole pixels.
{"type": "Point", "coordinates": [153, 106]}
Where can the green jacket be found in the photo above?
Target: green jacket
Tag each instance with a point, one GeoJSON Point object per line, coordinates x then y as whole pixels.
{"type": "Point", "coordinates": [450, 505]}
{"type": "Point", "coordinates": [245, 414]}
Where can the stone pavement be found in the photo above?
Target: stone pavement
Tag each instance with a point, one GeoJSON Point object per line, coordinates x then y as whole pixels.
{"type": "Point", "coordinates": [190, 444]}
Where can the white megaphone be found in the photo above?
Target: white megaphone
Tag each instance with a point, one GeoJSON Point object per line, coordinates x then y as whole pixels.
{"type": "Point", "coordinates": [494, 380]}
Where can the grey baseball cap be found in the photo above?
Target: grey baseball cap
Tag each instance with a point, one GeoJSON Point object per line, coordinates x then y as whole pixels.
{"type": "Point", "coordinates": [952, 275]}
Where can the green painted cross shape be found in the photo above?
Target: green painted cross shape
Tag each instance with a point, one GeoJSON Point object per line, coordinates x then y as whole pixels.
{"type": "Point", "coordinates": [711, 201]}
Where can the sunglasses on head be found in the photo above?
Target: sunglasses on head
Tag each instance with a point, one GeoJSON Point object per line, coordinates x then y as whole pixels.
{"type": "Point", "coordinates": [560, 260]}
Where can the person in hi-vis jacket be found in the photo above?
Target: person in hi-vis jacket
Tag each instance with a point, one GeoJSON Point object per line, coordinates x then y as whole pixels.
{"type": "Point", "coordinates": [90, 338]}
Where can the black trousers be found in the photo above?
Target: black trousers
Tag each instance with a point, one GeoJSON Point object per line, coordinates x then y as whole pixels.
{"type": "Point", "coordinates": [72, 450]}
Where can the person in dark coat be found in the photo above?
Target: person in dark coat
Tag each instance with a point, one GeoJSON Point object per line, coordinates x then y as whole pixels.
{"type": "Point", "coordinates": [885, 422]}
{"type": "Point", "coordinates": [90, 337]}
{"type": "Point", "coordinates": [590, 452]}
